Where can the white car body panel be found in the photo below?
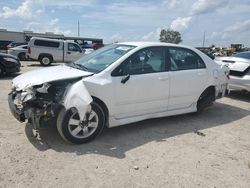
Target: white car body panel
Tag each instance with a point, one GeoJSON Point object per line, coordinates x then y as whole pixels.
{"type": "Point", "coordinates": [240, 65]}
{"type": "Point", "coordinates": [184, 96]}
{"type": "Point", "coordinates": [77, 96]}
{"type": "Point", "coordinates": [17, 50]}
{"type": "Point", "coordinates": [40, 76]}
{"type": "Point", "coordinates": [127, 103]}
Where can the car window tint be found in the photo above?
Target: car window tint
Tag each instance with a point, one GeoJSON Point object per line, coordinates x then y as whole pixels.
{"type": "Point", "coordinates": [184, 59]}
{"type": "Point", "coordinates": [103, 57]}
{"type": "Point", "coordinates": [73, 47]}
{"type": "Point", "coordinates": [46, 43]}
{"type": "Point", "coordinates": [148, 60]}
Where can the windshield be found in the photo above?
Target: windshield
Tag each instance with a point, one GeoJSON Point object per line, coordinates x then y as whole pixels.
{"type": "Point", "coordinates": [245, 55]}
{"type": "Point", "coordinates": [100, 59]}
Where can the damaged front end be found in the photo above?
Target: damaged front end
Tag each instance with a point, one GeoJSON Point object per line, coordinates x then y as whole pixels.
{"type": "Point", "coordinates": [40, 104]}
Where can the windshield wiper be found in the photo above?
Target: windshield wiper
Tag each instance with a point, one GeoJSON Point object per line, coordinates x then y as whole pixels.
{"type": "Point", "coordinates": [81, 67]}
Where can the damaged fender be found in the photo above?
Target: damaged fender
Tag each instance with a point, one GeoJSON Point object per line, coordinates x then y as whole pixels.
{"type": "Point", "coordinates": [77, 96]}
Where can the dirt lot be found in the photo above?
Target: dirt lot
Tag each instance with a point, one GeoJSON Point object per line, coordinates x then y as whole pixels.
{"type": "Point", "coordinates": [166, 152]}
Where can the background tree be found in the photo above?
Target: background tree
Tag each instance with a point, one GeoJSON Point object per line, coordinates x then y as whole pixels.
{"type": "Point", "coordinates": [170, 36]}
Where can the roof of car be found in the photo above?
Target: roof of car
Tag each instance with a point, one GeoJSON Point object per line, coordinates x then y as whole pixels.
{"type": "Point", "coordinates": [145, 44]}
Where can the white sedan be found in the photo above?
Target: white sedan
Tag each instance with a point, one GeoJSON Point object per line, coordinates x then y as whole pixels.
{"type": "Point", "coordinates": [19, 51]}
{"type": "Point", "coordinates": [118, 84]}
{"type": "Point", "coordinates": [239, 65]}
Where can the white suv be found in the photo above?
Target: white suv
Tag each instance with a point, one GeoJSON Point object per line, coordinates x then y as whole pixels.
{"type": "Point", "coordinates": [118, 84]}
{"type": "Point", "coordinates": [53, 50]}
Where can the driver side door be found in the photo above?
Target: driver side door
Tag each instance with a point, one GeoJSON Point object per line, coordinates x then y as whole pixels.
{"type": "Point", "coordinates": [141, 84]}
{"type": "Point", "coordinates": [73, 52]}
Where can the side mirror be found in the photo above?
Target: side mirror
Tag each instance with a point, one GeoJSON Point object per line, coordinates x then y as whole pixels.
{"type": "Point", "coordinates": [125, 79]}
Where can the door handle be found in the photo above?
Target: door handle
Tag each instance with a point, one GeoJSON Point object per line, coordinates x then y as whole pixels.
{"type": "Point", "coordinates": [163, 78]}
{"type": "Point", "coordinates": [69, 52]}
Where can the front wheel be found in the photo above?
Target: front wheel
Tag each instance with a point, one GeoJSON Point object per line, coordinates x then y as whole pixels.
{"type": "Point", "coordinates": [78, 132]}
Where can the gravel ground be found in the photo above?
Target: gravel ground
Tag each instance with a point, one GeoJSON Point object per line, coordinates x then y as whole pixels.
{"type": "Point", "coordinates": [207, 150]}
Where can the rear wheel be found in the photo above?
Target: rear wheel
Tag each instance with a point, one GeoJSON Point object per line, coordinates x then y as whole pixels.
{"type": "Point", "coordinates": [205, 100]}
{"type": "Point", "coordinates": [21, 56]}
{"type": "Point", "coordinates": [75, 131]}
{"type": "Point", "coordinates": [45, 60]}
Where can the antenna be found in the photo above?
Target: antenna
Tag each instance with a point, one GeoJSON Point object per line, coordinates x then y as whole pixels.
{"type": "Point", "coordinates": [204, 38]}
{"type": "Point", "coordinates": [78, 24]}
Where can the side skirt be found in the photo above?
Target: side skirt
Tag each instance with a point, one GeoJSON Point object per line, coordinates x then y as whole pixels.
{"type": "Point", "coordinates": [113, 122]}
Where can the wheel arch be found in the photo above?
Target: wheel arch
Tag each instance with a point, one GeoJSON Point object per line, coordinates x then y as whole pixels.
{"type": "Point", "coordinates": [104, 107]}
{"type": "Point", "coordinates": [45, 54]}
{"type": "Point", "coordinates": [206, 98]}
{"type": "Point", "coordinates": [209, 90]}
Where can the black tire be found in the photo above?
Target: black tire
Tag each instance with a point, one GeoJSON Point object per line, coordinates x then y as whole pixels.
{"type": "Point", "coordinates": [21, 56]}
{"type": "Point", "coordinates": [1, 71]}
{"type": "Point", "coordinates": [205, 100]}
{"type": "Point", "coordinates": [45, 60]}
{"type": "Point", "coordinates": [64, 127]}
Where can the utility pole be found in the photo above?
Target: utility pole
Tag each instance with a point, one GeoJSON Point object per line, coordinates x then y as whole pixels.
{"type": "Point", "coordinates": [78, 24]}
{"type": "Point", "coordinates": [204, 38]}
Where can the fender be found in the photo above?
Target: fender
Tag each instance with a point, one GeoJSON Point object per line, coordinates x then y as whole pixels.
{"type": "Point", "coordinates": [77, 96]}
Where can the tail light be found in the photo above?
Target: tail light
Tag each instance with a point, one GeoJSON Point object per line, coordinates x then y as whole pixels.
{"type": "Point", "coordinates": [29, 50]}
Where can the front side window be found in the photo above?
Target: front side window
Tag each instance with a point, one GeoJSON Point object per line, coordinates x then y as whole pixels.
{"type": "Point", "coordinates": [73, 47]}
{"type": "Point", "coordinates": [184, 59]}
{"type": "Point", "coordinates": [148, 60]}
{"type": "Point", "coordinates": [103, 57]}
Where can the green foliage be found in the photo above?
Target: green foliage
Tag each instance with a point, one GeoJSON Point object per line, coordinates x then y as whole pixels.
{"type": "Point", "coordinates": [170, 36]}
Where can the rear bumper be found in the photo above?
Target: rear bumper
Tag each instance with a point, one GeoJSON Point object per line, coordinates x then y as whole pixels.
{"type": "Point", "coordinates": [221, 91]}
{"type": "Point", "coordinates": [239, 83]}
{"type": "Point", "coordinates": [17, 113]}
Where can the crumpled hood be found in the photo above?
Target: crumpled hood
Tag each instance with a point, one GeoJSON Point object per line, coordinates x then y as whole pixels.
{"type": "Point", "coordinates": [44, 75]}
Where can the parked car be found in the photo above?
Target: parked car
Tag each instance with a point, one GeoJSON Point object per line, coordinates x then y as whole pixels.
{"type": "Point", "coordinates": [19, 51]}
{"type": "Point", "coordinates": [116, 85]}
{"type": "Point", "coordinates": [53, 50]}
{"type": "Point", "coordinates": [96, 46]}
{"type": "Point", "coordinates": [239, 65]}
{"type": "Point", "coordinates": [4, 44]}
{"type": "Point", "coordinates": [8, 64]}
{"type": "Point", "coordinates": [14, 44]}
{"type": "Point", "coordinates": [88, 50]}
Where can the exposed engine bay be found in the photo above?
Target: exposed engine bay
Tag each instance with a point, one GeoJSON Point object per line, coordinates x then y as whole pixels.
{"type": "Point", "coordinates": [41, 103]}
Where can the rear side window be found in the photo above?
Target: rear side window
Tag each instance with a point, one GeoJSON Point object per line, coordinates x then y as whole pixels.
{"type": "Point", "coordinates": [184, 59]}
{"type": "Point", "coordinates": [46, 43]}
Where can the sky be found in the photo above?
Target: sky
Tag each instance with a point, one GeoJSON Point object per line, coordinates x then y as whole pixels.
{"type": "Point", "coordinates": [222, 21]}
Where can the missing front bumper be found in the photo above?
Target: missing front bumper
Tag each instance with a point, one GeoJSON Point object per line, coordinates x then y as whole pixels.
{"type": "Point", "coordinates": [17, 113]}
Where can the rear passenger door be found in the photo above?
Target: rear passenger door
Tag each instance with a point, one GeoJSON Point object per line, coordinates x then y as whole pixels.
{"type": "Point", "coordinates": [188, 77]}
